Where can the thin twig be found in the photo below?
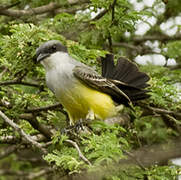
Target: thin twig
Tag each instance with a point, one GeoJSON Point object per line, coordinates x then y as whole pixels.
{"type": "Point", "coordinates": [139, 49]}
{"type": "Point", "coordinates": [12, 173]}
{"type": "Point", "coordinates": [3, 72]}
{"type": "Point", "coordinates": [113, 9]}
{"type": "Point", "coordinates": [25, 175]}
{"type": "Point", "coordinates": [164, 111]}
{"type": "Point", "coordinates": [100, 15]}
{"type": "Point", "coordinates": [5, 83]}
{"type": "Point", "coordinates": [7, 151]}
{"type": "Point", "coordinates": [110, 43]}
{"type": "Point", "coordinates": [57, 106]}
{"type": "Point", "coordinates": [22, 133]}
{"type": "Point", "coordinates": [45, 108]}
{"type": "Point", "coordinates": [140, 39]}
{"type": "Point", "coordinates": [9, 140]}
{"type": "Point", "coordinates": [14, 140]}
{"type": "Point", "coordinates": [40, 173]}
{"type": "Point", "coordinates": [79, 151]}
{"type": "Point", "coordinates": [72, 10]}
{"type": "Point", "coordinates": [103, 12]}
{"type": "Point", "coordinates": [9, 6]}
{"type": "Point", "coordinates": [127, 45]}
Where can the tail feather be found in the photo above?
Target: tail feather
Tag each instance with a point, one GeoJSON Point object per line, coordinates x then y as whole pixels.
{"type": "Point", "coordinates": [107, 66]}
{"type": "Point", "coordinates": [124, 70]}
{"type": "Point", "coordinates": [139, 95]}
{"type": "Point", "coordinates": [132, 81]}
{"type": "Point", "coordinates": [132, 92]}
{"type": "Point", "coordinates": [139, 81]}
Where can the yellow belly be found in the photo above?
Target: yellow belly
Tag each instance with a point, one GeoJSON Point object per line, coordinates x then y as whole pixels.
{"type": "Point", "coordinates": [82, 101]}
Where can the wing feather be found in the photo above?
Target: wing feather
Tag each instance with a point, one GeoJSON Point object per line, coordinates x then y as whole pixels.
{"type": "Point", "coordinates": [94, 80]}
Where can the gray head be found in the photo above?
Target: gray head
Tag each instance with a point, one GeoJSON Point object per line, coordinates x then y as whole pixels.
{"type": "Point", "coordinates": [48, 48]}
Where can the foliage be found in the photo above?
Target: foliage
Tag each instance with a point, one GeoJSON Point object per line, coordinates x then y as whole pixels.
{"type": "Point", "coordinates": [66, 159]}
{"type": "Point", "coordinates": [165, 95]}
{"type": "Point", "coordinates": [155, 172]}
{"type": "Point", "coordinates": [89, 29]}
{"type": "Point", "coordinates": [173, 50]}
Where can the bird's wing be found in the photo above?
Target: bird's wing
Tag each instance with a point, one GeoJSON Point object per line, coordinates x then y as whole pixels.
{"type": "Point", "coordinates": [94, 80]}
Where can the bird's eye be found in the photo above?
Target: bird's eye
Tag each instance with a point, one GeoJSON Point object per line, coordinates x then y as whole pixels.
{"type": "Point", "coordinates": [54, 47]}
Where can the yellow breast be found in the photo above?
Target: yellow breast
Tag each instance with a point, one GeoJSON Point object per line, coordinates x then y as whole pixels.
{"type": "Point", "coordinates": [82, 100]}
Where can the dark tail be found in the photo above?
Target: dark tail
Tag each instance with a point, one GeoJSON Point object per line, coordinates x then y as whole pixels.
{"type": "Point", "coordinates": [126, 76]}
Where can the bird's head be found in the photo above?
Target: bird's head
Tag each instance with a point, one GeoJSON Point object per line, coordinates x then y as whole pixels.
{"type": "Point", "coordinates": [49, 48]}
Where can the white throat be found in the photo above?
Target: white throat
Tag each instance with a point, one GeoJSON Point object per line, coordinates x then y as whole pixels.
{"type": "Point", "coordinates": [55, 60]}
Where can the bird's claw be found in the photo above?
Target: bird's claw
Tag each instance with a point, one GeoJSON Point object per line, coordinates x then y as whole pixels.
{"type": "Point", "coordinates": [73, 128]}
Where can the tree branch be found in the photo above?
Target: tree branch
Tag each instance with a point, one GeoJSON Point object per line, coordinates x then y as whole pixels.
{"type": "Point", "coordinates": [162, 38]}
{"type": "Point", "coordinates": [25, 175]}
{"type": "Point", "coordinates": [34, 11]}
{"type": "Point", "coordinates": [15, 140]}
{"type": "Point", "coordinates": [22, 133]}
{"type": "Point", "coordinates": [38, 10]}
{"type": "Point", "coordinates": [138, 49]}
{"type": "Point", "coordinates": [36, 125]}
{"type": "Point", "coordinates": [9, 140]}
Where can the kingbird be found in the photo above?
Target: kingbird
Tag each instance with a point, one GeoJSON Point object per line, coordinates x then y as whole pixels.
{"type": "Point", "coordinates": [82, 91]}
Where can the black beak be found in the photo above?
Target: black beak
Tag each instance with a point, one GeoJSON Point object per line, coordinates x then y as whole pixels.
{"type": "Point", "coordinates": [40, 57]}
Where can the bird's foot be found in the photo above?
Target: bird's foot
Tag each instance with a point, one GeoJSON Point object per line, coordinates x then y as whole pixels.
{"type": "Point", "coordinates": [79, 126]}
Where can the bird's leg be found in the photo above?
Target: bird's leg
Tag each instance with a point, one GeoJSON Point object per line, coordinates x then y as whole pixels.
{"type": "Point", "coordinates": [82, 126]}
{"type": "Point", "coordinates": [90, 115]}
{"type": "Point", "coordinates": [78, 126]}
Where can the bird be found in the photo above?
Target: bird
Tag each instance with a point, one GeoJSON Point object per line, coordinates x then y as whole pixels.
{"type": "Point", "coordinates": [83, 92]}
